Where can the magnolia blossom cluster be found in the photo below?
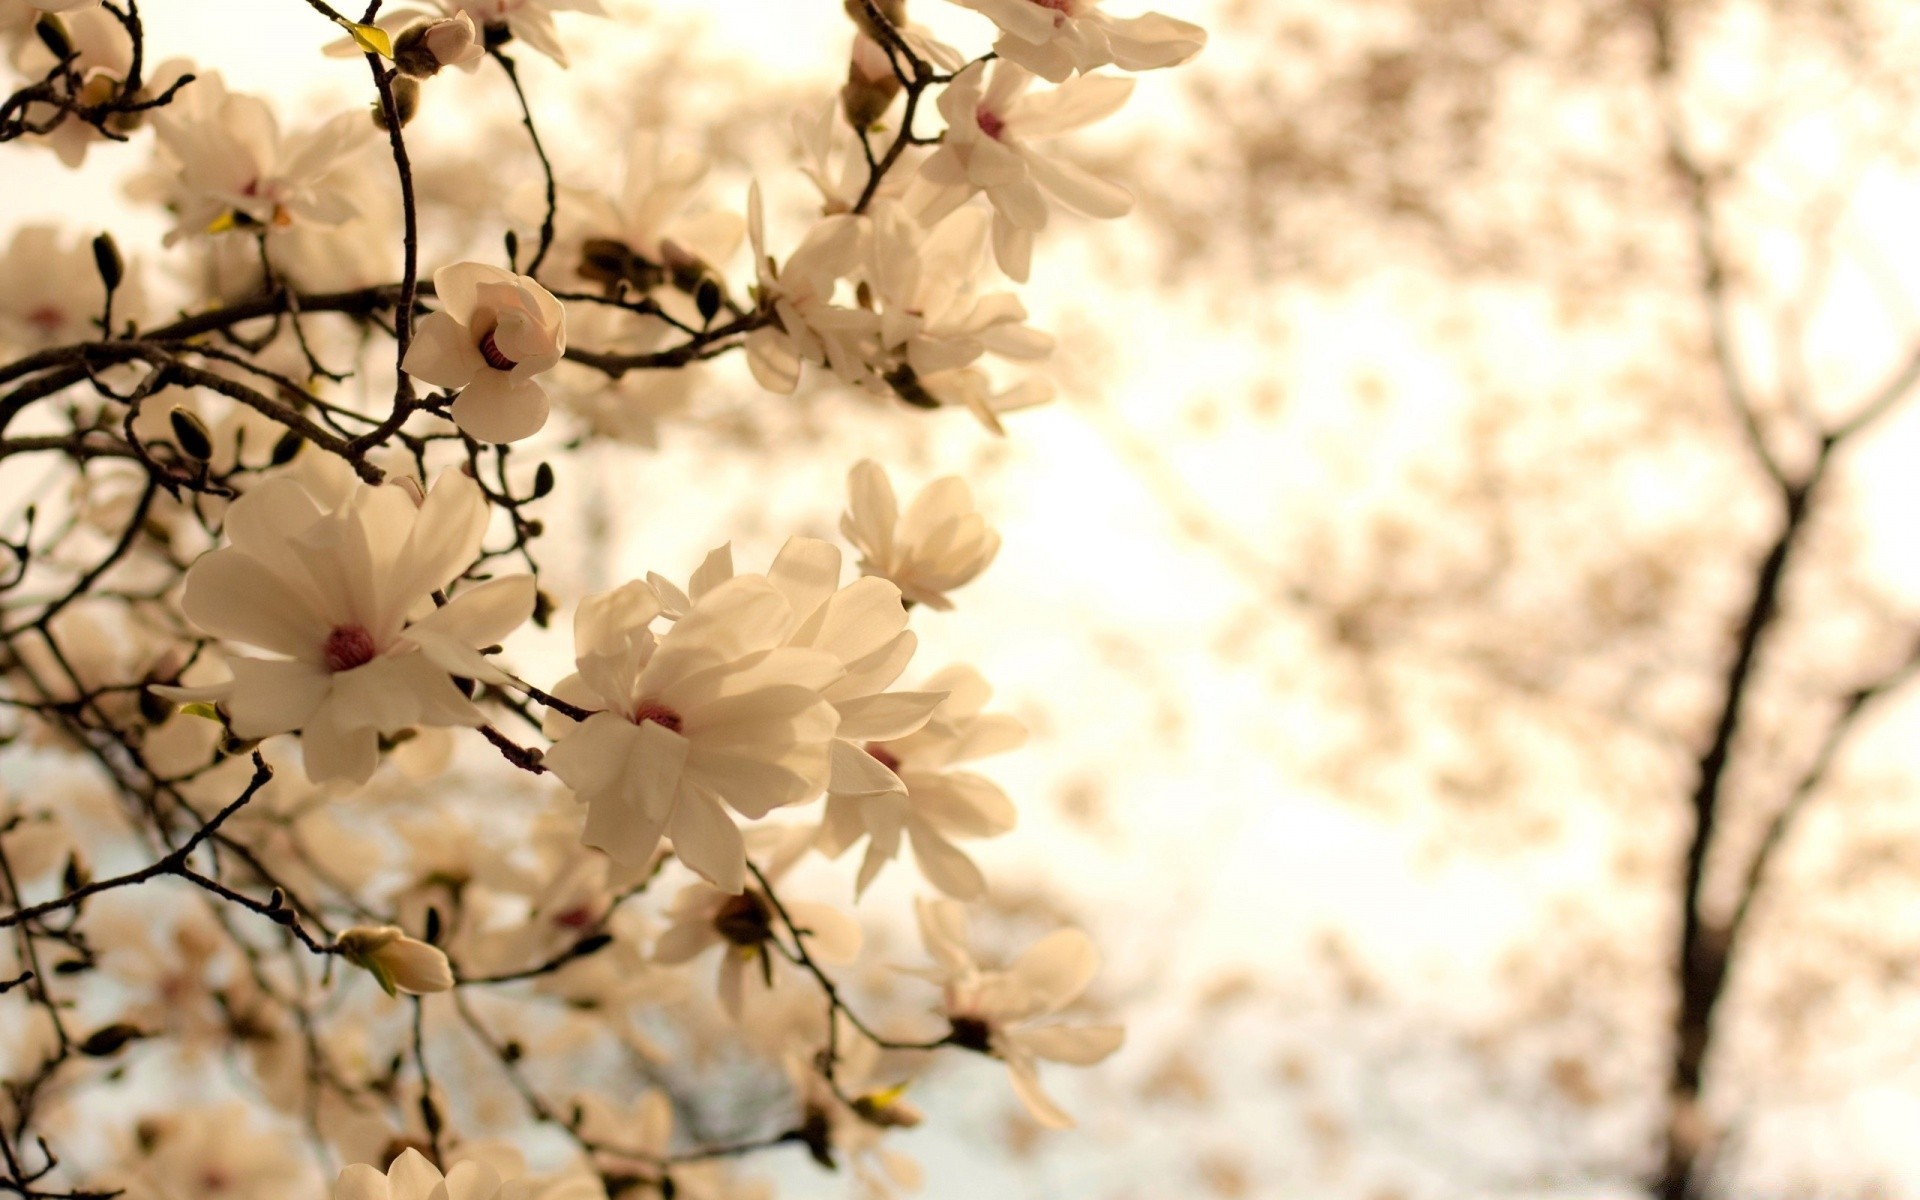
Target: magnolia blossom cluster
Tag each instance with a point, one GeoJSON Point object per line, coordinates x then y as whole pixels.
{"type": "Point", "coordinates": [300, 780]}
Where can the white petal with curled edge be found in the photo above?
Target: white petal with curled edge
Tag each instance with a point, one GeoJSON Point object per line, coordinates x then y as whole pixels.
{"type": "Point", "coordinates": [771, 358]}
{"type": "Point", "coordinates": [886, 716]}
{"type": "Point", "coordinates": [706, 839]}
{"type": "Point", "coordinates": [495, 408]}
{"type": "Point", "coordinates": [331, 754]}
{"type": "Point", "coordinates": [478, 617]}
{"type": "Point", "coordinates": [857, 773]}
{"type": "Point", "coordinates": [1080, 189]}
{"type": "Point", "coordinates": [1153, 40]}
{"type": "Point", "coordinates": [1078, 1045]}
{"type": "Point", "coordinates": [458, 285]}
{"type": "Point", "coordinates": [443, 353]}
{"type": "Point", "coordinates": [590, 758]}
{"type": "Point", "coordinates": [1056, 968]}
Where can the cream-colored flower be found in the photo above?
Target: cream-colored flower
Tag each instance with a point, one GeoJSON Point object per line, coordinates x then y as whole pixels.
{"type": "Point", "coordinates": [993, 1011]}
{"type": "Point", "coordinates": [808, 326]}
{"type": "Point", "coordinates": [715, 713]}
{"type": "Point", "coordinates": [940, 544]}
{"type": "Point", "coordinates": [933, 804]}
{"type": "Point", "coordinates": [1057, 38]}
{"type": "Point", "coordinates": [396, 961]}
{"type": "Point", "coordinates": [51, 294]}
{"type": "Point", "coordinates": [236, 170]}
{"type": "Point", "coordinates": [494, 332]}
{"type": "Point", "coordinates": [990, 147]}
{"type": "Point", "coordinates": [345, 596]}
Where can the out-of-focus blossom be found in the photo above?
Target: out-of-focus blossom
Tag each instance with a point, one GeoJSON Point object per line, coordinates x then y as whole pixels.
{"type": "Point", "coordinates": [941, 543]}
{"type": "Point", "coordinates": [933, 804]}
{"type": "Point", "coordinates": [652, 234]}
{"type": "Point", "coordinates": [207, 1152]}
{"type": "Point", "coordinates": [809, 327]}
{"type": "Point", "coordinates": [994, 1011]}
{"type": "Point", "coordinates": [345, 596]}
{"type": "Point", "coordinates": [234, 169]}
{"type": "Point", "coordinates": [831, 158]}
{"type": "Point", "coordinates": [530, 21]}
{"type": "Point", "coordinates": [494, 332]}
{"type": "Point", "coordinates": [702, 917]}
{"type": "Point", "coordinates": [102, 57]}
{"type": "Point", "coordinates": [396, 961]}
{"type": "Point", "coordinates": [990, 147]}
{"type": "Point", "coordinates": [1056, 38]}
{"type": "Point", "coordinates": [715, 713]}
{"type": "Point", "coordinates": [52, 295]}
{"type": "Point", "coordinates": [933, 321]}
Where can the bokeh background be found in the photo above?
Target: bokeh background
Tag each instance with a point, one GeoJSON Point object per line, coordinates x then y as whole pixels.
{"type": "Point", "coordinates": [1372, 587]}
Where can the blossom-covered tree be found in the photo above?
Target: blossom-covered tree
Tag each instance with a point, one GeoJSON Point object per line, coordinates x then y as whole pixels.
{"type": "Point", "coordinates": [295, 801]}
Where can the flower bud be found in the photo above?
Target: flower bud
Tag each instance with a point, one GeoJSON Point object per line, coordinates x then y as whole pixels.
{"type": "Point", "coordinates": [406, 101]}
{"type": "Point", "coordinates": [871, 84]}
{"type": "Point", "coordinates": [396, 961]}
{"type": "Point", "coordinates": [424, 48]}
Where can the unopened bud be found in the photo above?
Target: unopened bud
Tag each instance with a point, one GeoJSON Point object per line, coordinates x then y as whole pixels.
{"type": "Point", "coordinates": [190, 434]}
{"type": "Point", "coordinates": [424, 48]}
{"type": "Point", "coordinates": [106, 258]}
{"type": "Point", "coordinates": [396, 961]}
{"type": "Point", "coordinates": [871, 84]}
{"type": "Point", "coordinates": [406, 101]}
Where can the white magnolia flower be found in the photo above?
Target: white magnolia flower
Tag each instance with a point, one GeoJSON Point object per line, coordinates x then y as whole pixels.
{"type": "Point", "coordinates": [809, 327]}
{"type": "Point", "coordinates": [397, 961]}
{"type": "Point", "coordinates": [940, 544]}
{"type": "Point", "coordinates": [494, 332]}
{"type": "Point", "coordinates": [992, 1011]}
{"type": "Point", "coordinates": [530, 21]}
{"type": "Point", "coordinates": [236, 170]}
{"type": "Point", "coordinates": [932, 318]}
{"type": "Point", "coordinates": [933, 804]}
{"type": "Point", "coordinates": [989, 147]}
{"type": "Point", "coordinates": [1056, 38]}
{"type": "Point", "coordinates": [52, 295]}
{"type": "Point", "coordinates": [207, 1152]}
{"type": "Point", "coordinates": [345, 597]}
{"type": "Point", "coordinates": [863, 625]}
{"type": "Point", "coordinates": [651, 216]}
{"type": "Point", "coordinates": [715, 713]}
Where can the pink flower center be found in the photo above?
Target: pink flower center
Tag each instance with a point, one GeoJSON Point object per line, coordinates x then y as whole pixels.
{"type": "Point", "coordinates": [881, 756]}
{"type": "Point", "coordinates": [47, 318]}
{"type": "Point", "coordinates": [348, 646]}
{"type": "Point", "coordinates": [577, 917]}
{"type": "Point", "coordinates": [990, 122]}
{"type": "Point", "coordinates": [659, 714]}
{"type": "Point", "coordinates": [1062, 9]}
{"type": "Point", "coordinates": [495, 359]}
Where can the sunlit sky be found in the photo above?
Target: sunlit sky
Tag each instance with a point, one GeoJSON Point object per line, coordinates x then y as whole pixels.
{"type": "Point", "coordinates": [1102, 622]}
